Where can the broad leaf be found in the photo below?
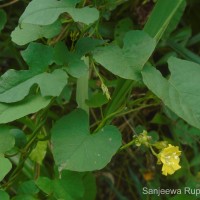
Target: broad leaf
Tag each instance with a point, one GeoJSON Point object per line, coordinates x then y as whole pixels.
{"type": "Point", "coordinates": [7, 141]}
{"type": "Point", "coordinates": [32, 104]}
{"type": "Point", "coordinates": [5, 167]}
{"type": "Point", "coordinates": [50, 84]}
{"type": "Point", "coordinates": [128, 61]}
{"type": "Point", "coordinates": [15, 85]}
{"type": "Point", "coordinates": [181, 92]}
{"type": "Point", "coordinates": [42, 12]}
{"type": "Point", "coordinates": [26, 33]}
{"type": "Point", "coordinates": [3, 19]}
{"type": "Point", "coordinates": [74, 148]}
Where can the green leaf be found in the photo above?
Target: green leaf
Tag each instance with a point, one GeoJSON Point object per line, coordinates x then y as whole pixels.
{"type": "Point", "coordinates": [69, 187]}
{"type": "Point", "coordinates": [39, 152]}
{"type": "Point", "coordinates": [45, 184]}
{"type": "Point", "coordinates": [26, 33]}
{"type": "Point", "coordinates": [74, 148]}
{"type": "Point", "coordinates": [36, 58]}
{"type": "Point", "coordinates": [47, 12]}
{"type": "Point", "coordinates": [13, 91]}
{"type": "Point", "coordinates": [175, 19]}
{"type": "Point", "coordinates": [4, 195]}
{"type": "Point", "coordinates": [186, 134]}
{"type": "Point", "coordinates": [161, 16]}
{"type": "Point", "coordinates": [3, 19]}
{"type": "Point", "coordinates": [90, 186]}
{"type": "Point", "coordinates": [28, 187]}
{"type": "Point", "coordinates": [20, 137]}
{"type": "Point", "coordinates": [128, 61]}
{"type": "Point", "coordinates": [76, 66]}
{"type": "Point", "coordinates": [5, 167]}
{"type": "Point", "coordinates": [32, 104]}
{"type": "Point", "coordinates": [7, 141]}
{"type": "Point", "coordinates": [86, 45]}
{"type": "Point", "coordinates": [121, 28]}
{"type": "Point", "coordinates": [181, 92]}
{"type": "Point", "coordinates": [15, 85]}
{"type": "Point", "coordinates": [97, 100]}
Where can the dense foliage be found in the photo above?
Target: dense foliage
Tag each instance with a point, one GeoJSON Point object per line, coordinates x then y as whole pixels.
{"type": "Point", "coordinates": [99, 99]}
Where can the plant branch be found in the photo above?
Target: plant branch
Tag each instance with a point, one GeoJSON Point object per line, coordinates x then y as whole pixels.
{"type": "Point", "coordinates": [9, 3]}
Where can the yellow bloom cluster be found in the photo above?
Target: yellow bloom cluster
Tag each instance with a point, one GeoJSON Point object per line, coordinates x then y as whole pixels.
{"type": "Point", "coordinates": [169, 157]}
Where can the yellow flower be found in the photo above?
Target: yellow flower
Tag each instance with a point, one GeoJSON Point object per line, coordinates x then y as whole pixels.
{"type": "Point", "coordinates": [169, 157]}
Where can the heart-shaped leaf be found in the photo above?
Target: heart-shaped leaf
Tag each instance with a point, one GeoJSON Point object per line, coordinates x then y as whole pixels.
{"type": "Point", "coordinates": [181, 92]}
{"type": "Point", "coordinates": [74, 148]}
{"type": "Point", "coordinates": [42, 12]}
{"type": "Point", "coordinates": [127, 62]}
{"type": "Point", "coordinates": [15, 85]}
{"type": "Point", "coordinates": [26, 33]}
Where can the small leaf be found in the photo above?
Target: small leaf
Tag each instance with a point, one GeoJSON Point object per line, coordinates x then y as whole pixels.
{"type": "Point", "coordinates": [127, 62]}
{"type": "Point", "coordinates": [39, 152]}
{"type": "Point", "coordinates": [5, 167]}
{"type": "Point", "coordinates": [4, 195]}
{"type": "Point", "coordinates": [36, 58]}
{"type": "Point", "coordinates": [47, 12]}
{"type": "Point", "coordinates": [28, 187]}
{"type": "Point", "coordinates": [76, 66]}
{"type": "Point", "coordinates": [3, 19]}
{"type": "Point", "coordinates": [97, 100]}
{"type": "Point", "coordinates": [7, 141]}
{"type": "Point", "coordinates": [45, 184]}
{"type": "Point", "coordinates": [26, 33]}
{"type": "Point", "coordinates": [32, 104]}
{"type": "Point", "coordinates": [181, 92]}
{"type": "Point", "coordinates": [20, 137]}
{"type": "Point", "coordinates": [86, 45]}
{"type": "Point", "coordinates": [74, 148]}
{"type": "Point", "coordinates": [122, 27]}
